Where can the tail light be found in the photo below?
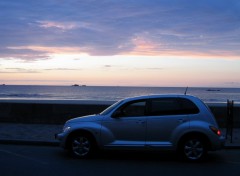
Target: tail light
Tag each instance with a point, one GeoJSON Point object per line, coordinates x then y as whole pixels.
{"type": "Point", "coordinates": [215, 130]}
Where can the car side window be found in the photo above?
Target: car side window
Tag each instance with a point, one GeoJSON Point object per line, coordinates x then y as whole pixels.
{"type": "Point", "coordinates": [172, 106]}
{"type": "Point", "coordinates": [188, 107]}
{"type": "Point", "coordinates": [133, 109]}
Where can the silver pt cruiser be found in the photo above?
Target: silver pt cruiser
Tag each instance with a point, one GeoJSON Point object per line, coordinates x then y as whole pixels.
{"type": "Point", "coordinates": [157, 122]}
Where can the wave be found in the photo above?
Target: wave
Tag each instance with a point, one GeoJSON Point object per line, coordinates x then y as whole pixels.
{"type": "Point", "coordinates": [24, 95]}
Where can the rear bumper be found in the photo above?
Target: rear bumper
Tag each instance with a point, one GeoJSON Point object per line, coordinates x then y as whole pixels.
{"type": "Point", "coordinates": [222, 142]}
{"type": "Point", "coordinates": [219, 144]}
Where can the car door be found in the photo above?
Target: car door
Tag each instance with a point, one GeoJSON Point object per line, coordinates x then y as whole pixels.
{"type": "Point", "coordinates": [126, 128]}
{"type": "Point", "coordinates": [164, 117]}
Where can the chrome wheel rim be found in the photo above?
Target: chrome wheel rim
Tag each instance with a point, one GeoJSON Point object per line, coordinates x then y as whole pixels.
{"type": "Point", "coordinates": [81, 146]}
{"type": "Point", "coordinates": [194, 149]}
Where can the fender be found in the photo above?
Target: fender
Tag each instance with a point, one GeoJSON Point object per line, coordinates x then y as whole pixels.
{"type": "Point", "coordinates": [107, 136]}
{"type": "Point", "coordinates": [193, 127]}
{"type": "Point", "coordinates": [91, 127]}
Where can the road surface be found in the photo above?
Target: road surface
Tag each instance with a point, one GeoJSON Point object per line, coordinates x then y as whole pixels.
{"type": "Point", "coordinates": [41, 160]}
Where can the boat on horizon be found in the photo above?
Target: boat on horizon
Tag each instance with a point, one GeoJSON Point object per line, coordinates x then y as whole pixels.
{"type": "Point", "coordinates": [213, 90]}
{"type": "Point", "coordinates": [77, 85]}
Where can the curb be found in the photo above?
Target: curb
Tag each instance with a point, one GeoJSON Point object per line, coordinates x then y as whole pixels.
{"type": "Point", "coordinates": [232, 147]}
{"type": "Point", "coordinates": [27, 142]}
{"type": "Point", "coordinates": [55, 143]}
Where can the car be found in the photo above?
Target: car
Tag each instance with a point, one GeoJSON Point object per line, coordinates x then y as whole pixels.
{"type": "Point", "coordinates": [181, 123]}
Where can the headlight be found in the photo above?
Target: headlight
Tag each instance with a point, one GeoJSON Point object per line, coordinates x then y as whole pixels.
{"type": "Point", "coordinates": [67, 128]}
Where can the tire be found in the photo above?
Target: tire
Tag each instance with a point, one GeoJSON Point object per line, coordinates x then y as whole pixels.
{"type": "Point", "coordinates": [81, 146]}
{"type": "Point", "coordinates": [193, 149]}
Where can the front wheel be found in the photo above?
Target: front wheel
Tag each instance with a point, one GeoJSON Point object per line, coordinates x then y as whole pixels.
{"type": "Point", "coordinates": [81, 146]}
{"type": "Point", "coordinates": [193, 149]}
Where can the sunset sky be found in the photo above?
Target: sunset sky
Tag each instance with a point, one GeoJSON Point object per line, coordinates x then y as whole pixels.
{"type": "Point", "coordinates": [120, 42]}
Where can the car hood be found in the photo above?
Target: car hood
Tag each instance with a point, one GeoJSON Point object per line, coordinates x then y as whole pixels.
{"type": "Point", "coordinates": [89, 118]}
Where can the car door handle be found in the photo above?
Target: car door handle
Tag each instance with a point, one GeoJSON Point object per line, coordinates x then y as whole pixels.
{"type": "Point", "coordinates": [182, 120]}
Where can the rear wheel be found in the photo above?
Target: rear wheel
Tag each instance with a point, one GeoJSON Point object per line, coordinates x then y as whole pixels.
{"type": "Point", "coordinates": [81, 145]}
{"type": "Point", "coordinates": [193, 148]}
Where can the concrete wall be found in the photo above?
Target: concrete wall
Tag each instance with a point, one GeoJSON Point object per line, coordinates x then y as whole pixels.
{"type": "Point", "coordinates": [220, 113]}
{"type": "Point", "coordinates": [56, 112]}
{"type": "Point", "coordinates": [45, 113]}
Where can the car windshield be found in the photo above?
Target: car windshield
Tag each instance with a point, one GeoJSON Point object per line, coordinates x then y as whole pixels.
{"type": "Point", "coordinates": [110, 108]}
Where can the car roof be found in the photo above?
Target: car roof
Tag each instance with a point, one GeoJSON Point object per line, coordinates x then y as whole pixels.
{"type": "Point", "coordinates": [159, 96]}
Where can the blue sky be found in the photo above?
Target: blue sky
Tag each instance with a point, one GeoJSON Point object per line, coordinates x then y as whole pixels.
{"type": "Point", "coordinates": [120, 42]}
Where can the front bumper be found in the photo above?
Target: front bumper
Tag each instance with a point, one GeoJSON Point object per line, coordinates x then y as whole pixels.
{"type": "Point", "coordinates": [61, 138]}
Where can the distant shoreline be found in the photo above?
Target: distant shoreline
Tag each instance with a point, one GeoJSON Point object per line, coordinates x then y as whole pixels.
{"type": "Point", "coordinates": [131, 86]}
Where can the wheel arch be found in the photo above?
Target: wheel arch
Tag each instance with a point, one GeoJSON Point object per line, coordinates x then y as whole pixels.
{"type": "Point", "coordinates": [80, 131]}
{"type": "Point", "coordinates": [194, 134]}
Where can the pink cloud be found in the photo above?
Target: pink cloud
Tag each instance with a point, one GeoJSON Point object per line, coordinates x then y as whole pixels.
{"type": "Point", "coordinates": [62, 25]}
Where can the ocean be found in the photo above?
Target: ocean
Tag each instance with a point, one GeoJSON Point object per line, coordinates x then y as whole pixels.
{"type": "Point", "coordinates": [111, 93]}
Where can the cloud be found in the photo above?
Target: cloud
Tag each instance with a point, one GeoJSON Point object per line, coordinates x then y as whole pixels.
{"type": "Point", "coordinates": [61, 69]}
{"type": "Point", "coordinates": [48, 50]}
{"type": "Point", "coordinates": [63, 26]}
{"type": "Point", "coordinates": [19, 70]}
{"type": "Point", "coordinates": [154, 68]}
{"type": "Point", "coordinates": [107, 66]}
{"type": "Point", "coordinates": [233, 84]}
{"type": "Point", "coordinates": [23, 70]}
{"type": "Point", "coordinates": [22, 53]}
{"type": "Point", "coordinates": [207, 27]}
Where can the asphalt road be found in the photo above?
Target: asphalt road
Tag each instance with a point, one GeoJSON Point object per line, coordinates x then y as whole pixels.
{"type": "Point", "coordinates": [41, 160]}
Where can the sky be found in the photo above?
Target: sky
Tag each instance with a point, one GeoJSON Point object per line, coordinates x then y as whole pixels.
{"type": "Point", "coordinates": [120, 42]}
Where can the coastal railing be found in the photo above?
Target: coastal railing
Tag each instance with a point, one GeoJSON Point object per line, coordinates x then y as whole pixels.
{"type": "Point", "coordinates": [230, 120]}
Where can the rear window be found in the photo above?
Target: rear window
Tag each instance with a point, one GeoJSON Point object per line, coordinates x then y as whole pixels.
{"type": "Point", "coordinates": [172, 106]}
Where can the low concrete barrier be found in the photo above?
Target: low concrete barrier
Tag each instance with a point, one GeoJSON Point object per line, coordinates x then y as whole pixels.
{"type": "Point", "coordinates": [51, 112]}
{"type": "Point", "coordinates": [57, 112]}
{"type": "Point", "coordinates": [220, 113]}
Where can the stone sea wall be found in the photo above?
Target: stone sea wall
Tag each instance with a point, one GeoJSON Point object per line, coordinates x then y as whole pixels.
{"type": "Point", "coordinates": [57, 112]}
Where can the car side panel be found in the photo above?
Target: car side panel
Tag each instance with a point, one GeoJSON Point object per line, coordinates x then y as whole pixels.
{"type": "Point", "coordinates": [125, 132]}
{"type": "Point", "coordinates": [160, 129]}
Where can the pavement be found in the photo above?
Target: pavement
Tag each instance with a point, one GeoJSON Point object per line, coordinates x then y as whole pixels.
{"type": "Point", "coordinates": [30, 134]}
{"type": "Point", "coordinates": [43, 134]}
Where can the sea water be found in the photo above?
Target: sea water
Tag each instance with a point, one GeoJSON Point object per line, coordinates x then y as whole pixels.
{"type": "Point", "coordinates": [111, 93]}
